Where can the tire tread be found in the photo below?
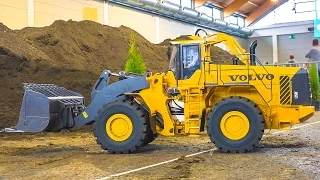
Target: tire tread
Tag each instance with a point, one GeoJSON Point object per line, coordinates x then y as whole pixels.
{"type": "Point", "coordinates": [143, 119]}
{"type": "Point", "coordinates": [256, 110]}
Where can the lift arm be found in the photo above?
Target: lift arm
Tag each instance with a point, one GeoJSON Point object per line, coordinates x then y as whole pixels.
{"type": "Point", "coordinates": [232, 44]}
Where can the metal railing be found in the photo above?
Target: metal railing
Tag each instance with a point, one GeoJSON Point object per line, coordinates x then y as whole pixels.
{"type": "Point", "coordinates": [293, 64]}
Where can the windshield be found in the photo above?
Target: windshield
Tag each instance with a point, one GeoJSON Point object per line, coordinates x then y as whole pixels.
{"type": "Point", "coordinates": [173, 59]}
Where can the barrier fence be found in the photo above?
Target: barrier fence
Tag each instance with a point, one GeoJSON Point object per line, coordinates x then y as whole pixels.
{"type": "Point", "coordinates": [293, 64]}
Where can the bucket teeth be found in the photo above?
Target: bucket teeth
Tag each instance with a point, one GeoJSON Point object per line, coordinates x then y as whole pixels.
{"type": "Point", "coordinates": [48, 107]}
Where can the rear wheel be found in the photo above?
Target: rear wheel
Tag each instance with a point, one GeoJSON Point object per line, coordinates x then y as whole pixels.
{"type": "Point", "coordinates": [235, 125]}
{"type": "Point", "coordinates": [121, 127]}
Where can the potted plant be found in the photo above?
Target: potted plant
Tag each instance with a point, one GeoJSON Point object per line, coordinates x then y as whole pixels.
{"type": "Point", "coordinates": [314, 83]}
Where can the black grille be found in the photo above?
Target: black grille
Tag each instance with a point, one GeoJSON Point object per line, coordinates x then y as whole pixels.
{"type": "Point", "coordinates": [300, 85]}
{"type": "Point", "coordinates": [285, 91]}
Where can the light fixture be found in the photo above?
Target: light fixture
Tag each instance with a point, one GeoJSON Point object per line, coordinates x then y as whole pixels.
{"type": "Point", "coordinates": [205, 17]}
{"type": "Point", "coordinates": [190, 12]}
{"type": "Point", "coordinates": [220, 22]}
{"type": "Point", "coordinates": [170, 6]}
{"type": "Point", "coordinates": [234, 26]}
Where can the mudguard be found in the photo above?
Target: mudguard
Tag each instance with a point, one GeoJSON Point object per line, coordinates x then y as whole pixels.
{"type": "Point", "coordinates": [109, 94]}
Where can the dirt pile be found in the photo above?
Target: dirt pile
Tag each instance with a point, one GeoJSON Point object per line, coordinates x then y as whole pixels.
{"type": "Point", "coordinates": [91, 46]}
{"type": "Point", "coordinates": [166, 42]}
{"type": "Point", "coordinates": [67, 53]}
{"type": "Point", "coordinates": [4, 28]}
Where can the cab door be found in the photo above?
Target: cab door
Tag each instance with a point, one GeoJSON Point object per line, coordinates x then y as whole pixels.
{"type": "Point", "coordinates": [185, 60]}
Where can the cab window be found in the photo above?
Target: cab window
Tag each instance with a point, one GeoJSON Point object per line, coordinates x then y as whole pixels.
{"type": "Point", "coordinates": [190, 60]}
{"type": "Point", "coordinates": [174, 65]}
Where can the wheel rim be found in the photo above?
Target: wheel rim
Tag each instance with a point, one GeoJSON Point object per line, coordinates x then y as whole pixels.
{"type": "Point", "coordinates": [119, 127]}
{"type": "Point", "coordinates": [234, 125]}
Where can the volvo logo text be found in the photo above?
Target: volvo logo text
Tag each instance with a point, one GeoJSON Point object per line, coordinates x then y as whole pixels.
{"type": "Point", "coordinates": [251, 77]}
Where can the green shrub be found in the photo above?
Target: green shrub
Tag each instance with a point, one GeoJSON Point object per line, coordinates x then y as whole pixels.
{"type": "Point", "coordinates": [135, 62]}
{"type": "Point", "coordinates": [314, 81]}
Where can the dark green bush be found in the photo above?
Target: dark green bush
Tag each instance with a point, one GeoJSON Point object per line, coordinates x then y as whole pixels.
{"type": "Point", "coordinates": [314, 81]}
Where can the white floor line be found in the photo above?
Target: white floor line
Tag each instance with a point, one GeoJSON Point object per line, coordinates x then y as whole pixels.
{"type": "Point", "coordinates": [165, 162]}
{"type": "Point", "coordinates": [194, 154]}
{"type": "Point", "coordinates": [306, 125]}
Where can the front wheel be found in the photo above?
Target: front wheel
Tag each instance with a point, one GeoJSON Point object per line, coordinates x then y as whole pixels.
{"type": "Point", "coordinates": [121, 127]}
{"type": "Point", "coordinates": [235, 125]}
{"type": "Point", "coordinates": [150, 136]}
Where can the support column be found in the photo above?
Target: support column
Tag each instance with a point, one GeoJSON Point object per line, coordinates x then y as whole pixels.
{"type": "Point", "coordinates": [157, 30]}
{"type": "Point", "coordinates": [31, 13]}
{"type": "Point", "coordinates": [275, 48]}
{"type": "Point", "coordinates": [105, 13]}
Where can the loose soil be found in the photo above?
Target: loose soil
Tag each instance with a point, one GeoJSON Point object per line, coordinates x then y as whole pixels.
{"type": "Point", "coordinates": [75, 155]}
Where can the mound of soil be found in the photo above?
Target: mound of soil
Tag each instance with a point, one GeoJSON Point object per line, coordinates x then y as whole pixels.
{"type": "Point", "coordinates": [4, 28]}
{"type": "Point", "coordinates": [166, 42]}
{"type": "Point", "coordinates": [67, 53]}
{"type": "Point", "coordinates": [90, 46]}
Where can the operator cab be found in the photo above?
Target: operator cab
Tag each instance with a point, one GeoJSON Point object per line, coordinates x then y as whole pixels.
{"type": "Point", "coordinates": [184, 60]}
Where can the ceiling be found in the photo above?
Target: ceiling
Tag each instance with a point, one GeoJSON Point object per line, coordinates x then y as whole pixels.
{"type": "Point", "coordinates": [245, 9]}
{"type": "Point", "coordinates": [251, 9]}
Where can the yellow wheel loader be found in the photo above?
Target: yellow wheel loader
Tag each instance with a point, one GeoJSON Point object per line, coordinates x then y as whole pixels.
{"type": "Point", "coordinates": [232, 102]}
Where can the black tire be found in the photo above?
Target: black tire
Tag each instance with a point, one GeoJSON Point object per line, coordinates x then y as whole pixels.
{"type": "Point", "coordinates": [250, 110]}
{"type": "Point", "coordinates": [138, 119]}
{"type": "Point", "coordinates": [150, 136]}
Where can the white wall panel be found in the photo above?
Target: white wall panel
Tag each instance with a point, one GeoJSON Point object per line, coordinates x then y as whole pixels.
{"type": "Point", "coordinates": [299, 46]}
{"type": "Point", "coordinates": [264, 50]}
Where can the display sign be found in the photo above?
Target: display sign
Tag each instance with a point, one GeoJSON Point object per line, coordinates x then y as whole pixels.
{"type": "Point", "coordinates": [292, 36]}
{"type": "Point", "coordinates": [317, 19]}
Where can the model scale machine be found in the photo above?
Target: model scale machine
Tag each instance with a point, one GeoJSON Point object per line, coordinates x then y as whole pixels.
{"type": "Point", "coordinates": [233, 102]}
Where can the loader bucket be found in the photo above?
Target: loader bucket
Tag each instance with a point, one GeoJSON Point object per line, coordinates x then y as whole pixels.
{"type": "Point", "coordinates": [48, 107]}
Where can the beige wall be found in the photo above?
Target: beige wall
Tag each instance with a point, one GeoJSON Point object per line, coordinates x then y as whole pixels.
{"type": "Point", "coordinates": [47, 11]}
{"type": "Point", "coordinates": [143, 23]}
{"type": "Point", "coordinates": [14, 13]}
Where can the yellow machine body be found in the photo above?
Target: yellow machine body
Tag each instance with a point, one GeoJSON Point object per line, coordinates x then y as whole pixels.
{"type": "Point", "coordinates": [233, 101]}
{"type": "Point", "coordinates": [270, 88]}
